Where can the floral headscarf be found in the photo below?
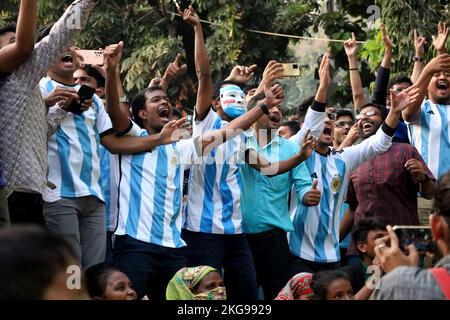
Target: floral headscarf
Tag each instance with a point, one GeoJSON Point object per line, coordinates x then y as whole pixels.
{"type": "Point", "coordinates": [184, 281]}
{"type": "Point", "coordinates": [296, 287]}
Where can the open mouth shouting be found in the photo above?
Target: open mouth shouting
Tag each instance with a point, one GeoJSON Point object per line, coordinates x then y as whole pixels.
{"type": "Point", "coordinates": [67, 61]}
{"type": "Point", "coordinates": [274, 119]}
{"type": "Point", "coordinates": [442, 86]}
{"type": "Point", "coordinates": [164, 114]}
{"type": "Point", "coordinates": [367, 126]}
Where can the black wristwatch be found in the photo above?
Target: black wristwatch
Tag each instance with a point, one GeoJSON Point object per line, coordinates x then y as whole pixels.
{"type": "Point", "coordinates": [416, 58]}
{"type": "Point", "coordinates": [265, 108]}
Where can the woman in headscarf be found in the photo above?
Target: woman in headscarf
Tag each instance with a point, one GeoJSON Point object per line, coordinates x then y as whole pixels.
{"type": "Point", "coordinates": [297, 288]}
{"type": "Point", "coordinates": [196, 283]}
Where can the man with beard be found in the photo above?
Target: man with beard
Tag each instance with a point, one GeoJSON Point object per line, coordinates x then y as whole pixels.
{"type": "Point", "coordinates": [315, 241]}
{"type": "Point", "coordinates": [387, 185]}
{"type": "Point", "coordinates": [405, 281]}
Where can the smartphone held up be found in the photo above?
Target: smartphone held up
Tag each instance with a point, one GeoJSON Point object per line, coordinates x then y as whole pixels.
{"type": "Point", "coordinates": [292, 69]}
{"type": "Point", "coordinates": [91, 57]}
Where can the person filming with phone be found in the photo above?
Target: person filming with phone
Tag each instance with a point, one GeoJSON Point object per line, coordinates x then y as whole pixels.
{"type": "Point", "coordinates": [405, 280]}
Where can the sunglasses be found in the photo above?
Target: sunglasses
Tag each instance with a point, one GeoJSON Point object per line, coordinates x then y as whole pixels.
{"type": "Point", "coordinates": [367, 114]}
{"type": "Point", "coordinates": [341, 124]}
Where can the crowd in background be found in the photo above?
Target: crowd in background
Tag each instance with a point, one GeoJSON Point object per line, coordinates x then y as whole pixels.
{"type": "Point", "coordinates": [233, 202]}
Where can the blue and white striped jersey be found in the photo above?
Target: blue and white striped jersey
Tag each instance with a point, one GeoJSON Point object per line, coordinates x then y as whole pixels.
{"type": "Point", "coordinates": [151, 192]}
{"type": "Point", "coordinates": [213, 204]}
{"type": "Point", "coordinates": [430, 134]}
{"type": "Point", "coordinates": [316, 235]}
{"type": "Point", "coordinates": [73, 151]}
{"type": "Point", "coordinates": [109, 177]}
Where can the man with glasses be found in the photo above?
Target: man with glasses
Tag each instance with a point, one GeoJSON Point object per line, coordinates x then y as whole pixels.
{"type": "Point", "coordinates": [386, 186]}
{"type": "Point", "coordinates": [343, 124]}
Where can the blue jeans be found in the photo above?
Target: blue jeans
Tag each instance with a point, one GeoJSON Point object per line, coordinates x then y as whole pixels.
{"type": "Point", "coordinates": [150, 267]}
{"type": "Point", "coordinates": [230, 253]}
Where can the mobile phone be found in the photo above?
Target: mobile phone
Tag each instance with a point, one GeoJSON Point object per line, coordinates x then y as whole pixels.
{"type": "Point", "coordinates": [291, 69]}
{"type": "Point", "coordinates": [85, 93]}
{"type": "Point", "coordinates": [420, 236]}
{"type": "Point", "coordinates": [92, 57]}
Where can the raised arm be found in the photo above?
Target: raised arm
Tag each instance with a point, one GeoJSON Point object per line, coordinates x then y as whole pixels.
{"type": "Point", "coordinates": [315, 116]}
{"type": "Point", "coordinates": [437, 64]}
{"type": "Point", "coordinates": [174, 70]}
{"type": "Point", "coordinates": [382, 140]}
{"type": "Point", "coordinates": [272, 72]}
{"type": "Point", "coordinates": [419, 45]}
{"type": "Point", "coordinates": [16, 53]}
{"type": "Point", "coordinates": [351, 49]}
{"type": "Point", "coordinates": [270, 169]}
{"type": "Point", "coordinates": [60, 38]}
{"type": "Point", "coordinates": [202, 67]}
{"type": "Point", "coordinates": [382, 79]}
{"type": "Point", "coordinates": [440, 41]}
{"type": "Point", "coordinates": [119, 117]}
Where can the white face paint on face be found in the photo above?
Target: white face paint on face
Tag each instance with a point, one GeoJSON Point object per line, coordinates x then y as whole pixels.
{"type": "Point", "coordinates": [232, 99]}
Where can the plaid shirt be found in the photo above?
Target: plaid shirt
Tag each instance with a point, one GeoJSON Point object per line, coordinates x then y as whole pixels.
{"type": "Point", "coordinates": [24, 123]}
{"type": "Point", "coordinates": [409, 283]}
{"type": "Point", "coordinates": [382, 187]}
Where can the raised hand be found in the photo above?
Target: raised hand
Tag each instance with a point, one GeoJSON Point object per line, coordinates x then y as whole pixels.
{"type": "Point", "coordinates": [241, 74]}
{"type": "Point", "coordinates": [438, 64]}
{"type": "Point", "coordinates": [386, 40]}
{"type": "Point", "coordinates": [419, 44]}
{"type": "Point", "coordinates": [440, 41]}
{"type": "Point", "coordinates": [274, 95]}
{"type": "Point", "coordinates": [324, 71]}
{"type": "Point", "coordinates": [308, 145]}
{"type": "Point", "coordinates": [273, 71]}
{"type": "Point", "coordinates": [112, 55]}
{"type": "Point", "coordinates": [312, 197]}
{"type": "Point", "coordinates": [351, 46]}
{"type": "Point", "coordinates": [190, 16]}
{"type": "Point", "coordinates": [404, 99]}
{"type": "Point", "coordinates": [175, 69]}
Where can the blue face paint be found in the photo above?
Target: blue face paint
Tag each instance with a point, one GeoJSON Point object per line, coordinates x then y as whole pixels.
{"type": "Point", "coordinates": [232, 99]}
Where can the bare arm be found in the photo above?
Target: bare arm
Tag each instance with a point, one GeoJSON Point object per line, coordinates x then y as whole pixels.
{"type": "Point", "coordinates": [202, 67]}
{"type": "Point", "coordinates": [14, 54]}
{"type": "Point", "coordinates": [346, 224]}
{"type": "Point", "coordinates": [355, 78]}
{"type": "Point", "coordinates": [419, 45]}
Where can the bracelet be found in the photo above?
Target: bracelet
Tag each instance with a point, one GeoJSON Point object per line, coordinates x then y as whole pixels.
{"type": "Point", "coordinates": [416, 59]}
{"type": "Point", "coordinates": [353, 69]}
{"type": "Point", "coordinates": [265, 109]}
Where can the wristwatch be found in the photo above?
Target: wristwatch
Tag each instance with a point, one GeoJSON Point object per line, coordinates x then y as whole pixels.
{"type": "Point", "coordinates": [415, 59]}
{"type": "Point", "coordinates": [265, 108]}
{"type": "Point", "coordinates": [124, 100]}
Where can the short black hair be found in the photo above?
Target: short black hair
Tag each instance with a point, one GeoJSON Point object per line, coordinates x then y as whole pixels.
{"type": "Point", "coordinates": [362, 228]}
{"type": "Point", "coordinates": [345, 113]}
{"type": "Point", "coordinates": [302, 109]}
{"type": "Point", "coordinates": [383, 110]}
{"type": "Point", "coordinates": [97, 278]}
{"type": "Point", "coordinates": [294, 126]}
{"type": "Point", "coordinates": [10, 27]}
{"type": "Point", "coordinates": [442, 197]}
{"type": "Point", "coordinates": [321, 280]}
{"type": "Point", "coordinates": [31, 258]}
{"type": "Point", "coordinates": [94, 73]}
{"type": "Point", "coordinates": [139, 101]}
{"type": "Point", "coordinates": [401, 78]}
{"type": "Point", "coordinates": [177, 112]}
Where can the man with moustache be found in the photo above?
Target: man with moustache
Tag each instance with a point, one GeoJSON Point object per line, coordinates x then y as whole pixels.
{"type": "Point", "coordinates": [386, 186]}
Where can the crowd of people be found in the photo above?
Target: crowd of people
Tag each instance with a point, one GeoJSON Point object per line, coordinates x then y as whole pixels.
{"type": "Point", "coordinates": [240, 203]}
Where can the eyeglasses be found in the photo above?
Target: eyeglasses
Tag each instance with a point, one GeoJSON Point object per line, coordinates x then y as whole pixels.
{"type": "Point", "coordinates": [367, 114]}
{"type": "Point", "coordinates": [331, 116]}
{"type": "Point", "coordinates": [341, 124]}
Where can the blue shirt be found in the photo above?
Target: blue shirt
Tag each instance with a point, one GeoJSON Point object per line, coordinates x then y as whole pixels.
{"type": "Point", "coordinates": [264, 200]}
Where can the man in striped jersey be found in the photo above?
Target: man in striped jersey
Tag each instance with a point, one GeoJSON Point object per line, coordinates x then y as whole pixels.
{"type": "Point", "coordinates": [74, 202]}
{"type": "Point", "coordinates": [315, 241]}
{"type": "Point", "coordinates": [148, 246]}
